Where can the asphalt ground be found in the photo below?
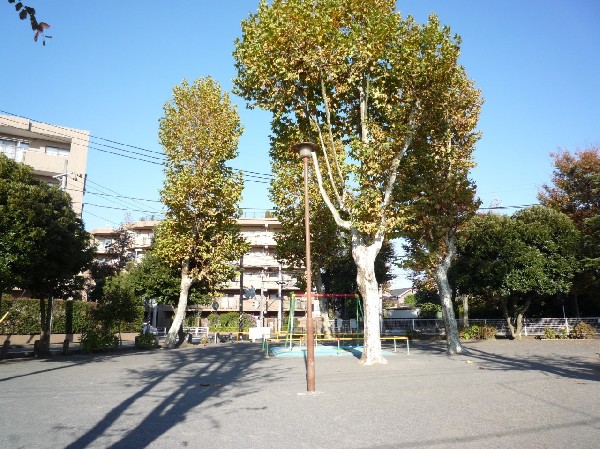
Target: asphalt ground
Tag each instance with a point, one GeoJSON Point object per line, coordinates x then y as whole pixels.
{"type": "Point", "coordinates": [499, 394]}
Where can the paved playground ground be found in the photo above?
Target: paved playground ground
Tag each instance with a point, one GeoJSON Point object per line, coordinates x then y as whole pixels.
{"type": "Point", "coordinates": [499, 394]}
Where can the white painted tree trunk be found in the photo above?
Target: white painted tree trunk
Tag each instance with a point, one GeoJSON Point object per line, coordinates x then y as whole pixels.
{"type": "Point", "coordinates": [186, 282]}
{"type": "Point", "coordinates": [453, 345]}
{"type": "Point", "coordinates": [323, 304]}
{"type": "Point", "coordinates": [364, 256]}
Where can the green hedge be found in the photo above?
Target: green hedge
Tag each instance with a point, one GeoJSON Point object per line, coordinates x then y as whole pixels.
{"type": "Point", "coordinates": [70, 317]}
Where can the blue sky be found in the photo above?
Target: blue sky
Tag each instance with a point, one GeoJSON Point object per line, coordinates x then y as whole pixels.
{"type": "Point", "coordinates": [110, 66]}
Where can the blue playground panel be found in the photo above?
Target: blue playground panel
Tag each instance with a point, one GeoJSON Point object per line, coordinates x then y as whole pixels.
{"type": "Point", "coordinates": [320, 350]}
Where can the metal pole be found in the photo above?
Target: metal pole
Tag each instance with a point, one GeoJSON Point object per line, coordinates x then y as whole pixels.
{"type": "Point", "coordinates": [241, 304]}
{"type": "Point", "coordinates": [310, 348]}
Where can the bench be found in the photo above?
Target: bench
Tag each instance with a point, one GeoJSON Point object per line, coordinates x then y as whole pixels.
{"type": "Point", "coordinates": [196, 334]}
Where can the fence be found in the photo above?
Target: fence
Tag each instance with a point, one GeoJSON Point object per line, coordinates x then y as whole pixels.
{"type": "Point", "coordinates": [531, 326]}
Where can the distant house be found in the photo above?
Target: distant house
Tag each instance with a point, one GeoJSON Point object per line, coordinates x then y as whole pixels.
{"type": "Point", "coordinates": [398, 295]}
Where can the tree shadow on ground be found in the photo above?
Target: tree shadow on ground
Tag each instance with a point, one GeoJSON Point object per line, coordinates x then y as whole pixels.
{"type": "Point", "coordinates": [55, 363]}
{"type": "Point", "coordinates": [572, 366]}
{"type": "Point", "coordinates": [179, 382]}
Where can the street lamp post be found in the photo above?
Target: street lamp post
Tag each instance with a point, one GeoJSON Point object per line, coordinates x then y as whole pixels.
{"type": "Point", "coordinates": [305, 150]}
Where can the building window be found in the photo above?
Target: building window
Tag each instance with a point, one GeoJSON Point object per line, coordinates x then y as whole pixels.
{"type": "Point", "coordinates": [55, 151]}
{"type": "Point", "coordinates": [13, 149]}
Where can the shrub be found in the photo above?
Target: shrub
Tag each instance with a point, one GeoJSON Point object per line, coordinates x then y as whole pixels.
{"type": "Point", "coordinates": [562, 333]}
{"type": "Point", "coordinates": [549, 333]}
{"type": "Point", "coordinates": [476, 332]}
{"type": "Point", "coordinates": [230, 321]}
{"type": "Point", "coordinates": [24, 316]}
{"type": "Point", "coordinates": [410, 299]}
{"type": "Point", "coordinates": [429, 310]}
{"type": "Point", "coordinates": [145, 340]}
{"type": "Point", "coordinates": [582, 330]}
{"type": "Point", "coordinates": [98, 340]}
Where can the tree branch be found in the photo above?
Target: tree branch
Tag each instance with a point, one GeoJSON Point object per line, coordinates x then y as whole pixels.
{"type": "Point", "coordinates": [345, 224]}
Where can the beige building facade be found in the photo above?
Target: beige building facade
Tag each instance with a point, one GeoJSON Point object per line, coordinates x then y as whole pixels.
{"type": "Point", "coordinates": [58, 155]}
{"type": "Point", "coordinates": [260, 271]}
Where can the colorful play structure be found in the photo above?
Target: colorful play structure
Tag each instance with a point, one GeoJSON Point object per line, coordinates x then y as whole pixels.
{"type": "Point", "coordinates": [339, 336]}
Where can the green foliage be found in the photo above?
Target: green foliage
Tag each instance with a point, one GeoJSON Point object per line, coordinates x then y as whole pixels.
{"type": "Point", "coordinates": [43, 245]}
{"type": "Point", "coordinates": [477, 332]}
{"type": "Point", "coordinates": [119, 305]}
{"type": "Point", "coordinates": [429, 310]}
{"type": "Point", "coordinates": [561, 334]}
{"type": "Point", "coordinates": [512, 261]}
{"type": "Point", "coordinates": [199, 133]}
{"type": "Point", "coordinates": [145, 341]}
{"type": "Point", "coordinates": [339, 275]}
{"type": "Point", "coordinates": [24, 316]}
{"type": "Point", "coordinates": [410, 300]}
{"type": "Point", "coordinates": [286, 322]}
{"type": "Point", "coordinates": [425, 295]}
{"type": "Point", "coordinates": [367, 86]}
{"type": "Point", "coordinates": [582, 330]}
{"type": "Point", "coordinates": [229, 322]}
{"type": "Point", "coordinates": [98, 339]}
{"type": "Point", "coordinates": [389, 303]}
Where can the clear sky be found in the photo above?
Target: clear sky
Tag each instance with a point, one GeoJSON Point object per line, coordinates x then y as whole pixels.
{"type": "Point", "coordinates": [111, 65]}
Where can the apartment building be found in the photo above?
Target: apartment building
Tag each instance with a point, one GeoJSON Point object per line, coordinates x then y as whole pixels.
{"type": "Point", "coordinates": [261, 273]}
{"type": "Point", "coordinates": [141, 232]}
{"type": "Point", "coordinates": [58, 155]}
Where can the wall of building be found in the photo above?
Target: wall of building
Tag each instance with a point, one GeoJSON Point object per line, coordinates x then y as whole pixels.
{"type": "Point", "coordinates": [51, 151]}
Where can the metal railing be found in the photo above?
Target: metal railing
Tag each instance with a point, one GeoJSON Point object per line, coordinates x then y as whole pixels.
{"type": "Point", "coordinates": [531, 326]}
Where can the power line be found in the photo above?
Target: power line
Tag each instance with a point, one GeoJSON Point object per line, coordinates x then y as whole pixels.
{"type": "Point", "coordinates": [85, 211]}
{"type": "Point", "coordinates": [91, 136]}
{"type": "Point", "coordinates": [125, 209]}
{"type": "Point", "coordinates": [509, 207]}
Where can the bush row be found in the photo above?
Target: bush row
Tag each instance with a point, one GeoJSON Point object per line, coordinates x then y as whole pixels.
{"type": "Point", "coordinates": [68, 317]}
{"type": "Point", "coordinates": [582, 330]}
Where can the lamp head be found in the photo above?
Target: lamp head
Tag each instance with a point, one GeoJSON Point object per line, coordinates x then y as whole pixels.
{"type": "Point", "coordinates": [305, 149]}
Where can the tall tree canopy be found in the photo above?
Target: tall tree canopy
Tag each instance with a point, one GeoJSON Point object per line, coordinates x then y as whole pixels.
{"type": "Point", "coordinates": [361, 82]}
{"type": "Point", "coordinates": [575, 188]}
{"type": "Point", "coordinates": [43, 245]}
{"type": "Point", "coordinates": [519, 259]}
{"type": "Point", "coordinates": [199, 133]}
{"type": "Point", "coordinates": [439, 204]}
{"type": "Point", "coordinates": [575, 191]}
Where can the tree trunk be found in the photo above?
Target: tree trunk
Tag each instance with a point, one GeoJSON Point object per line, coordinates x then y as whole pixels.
{"type": "Point", "coordinates": [520, 314]}
{"type": "Point", "coordinates": [323, 304]}
{"type": "Point", "coordinates": [364, 257]}
{"type": "Point", "coordinates": [575, 306]}
{"type": "Point", "coordinates": [507, 318]}
{"type": "Point", "coordinates": [47, 326]}
{"type": "Point", "coordinates": [465, 300]}
{"type": "Point", "coordinates": [453, 345]}
{"type": "Point", "coordinates": [173, 337]}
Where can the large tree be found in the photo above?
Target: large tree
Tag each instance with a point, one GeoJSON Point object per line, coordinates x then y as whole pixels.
{"type": "Point", "coordinates": [575, 185]}
{"type": "Point", "coordinates": [575, 191]}
{"type": "Point", "coordinates": [43, 244]}
{"type": "Point", "coordinates": [199, 133]}
{"type": "Point", "coordinates": [361, 82]}
{"type": "Point", "coordinates": [153, 278]}
{"type": "Point", "coordinates": [517, 260]}
{"type": "Point", "coordinates": [439, 204]}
